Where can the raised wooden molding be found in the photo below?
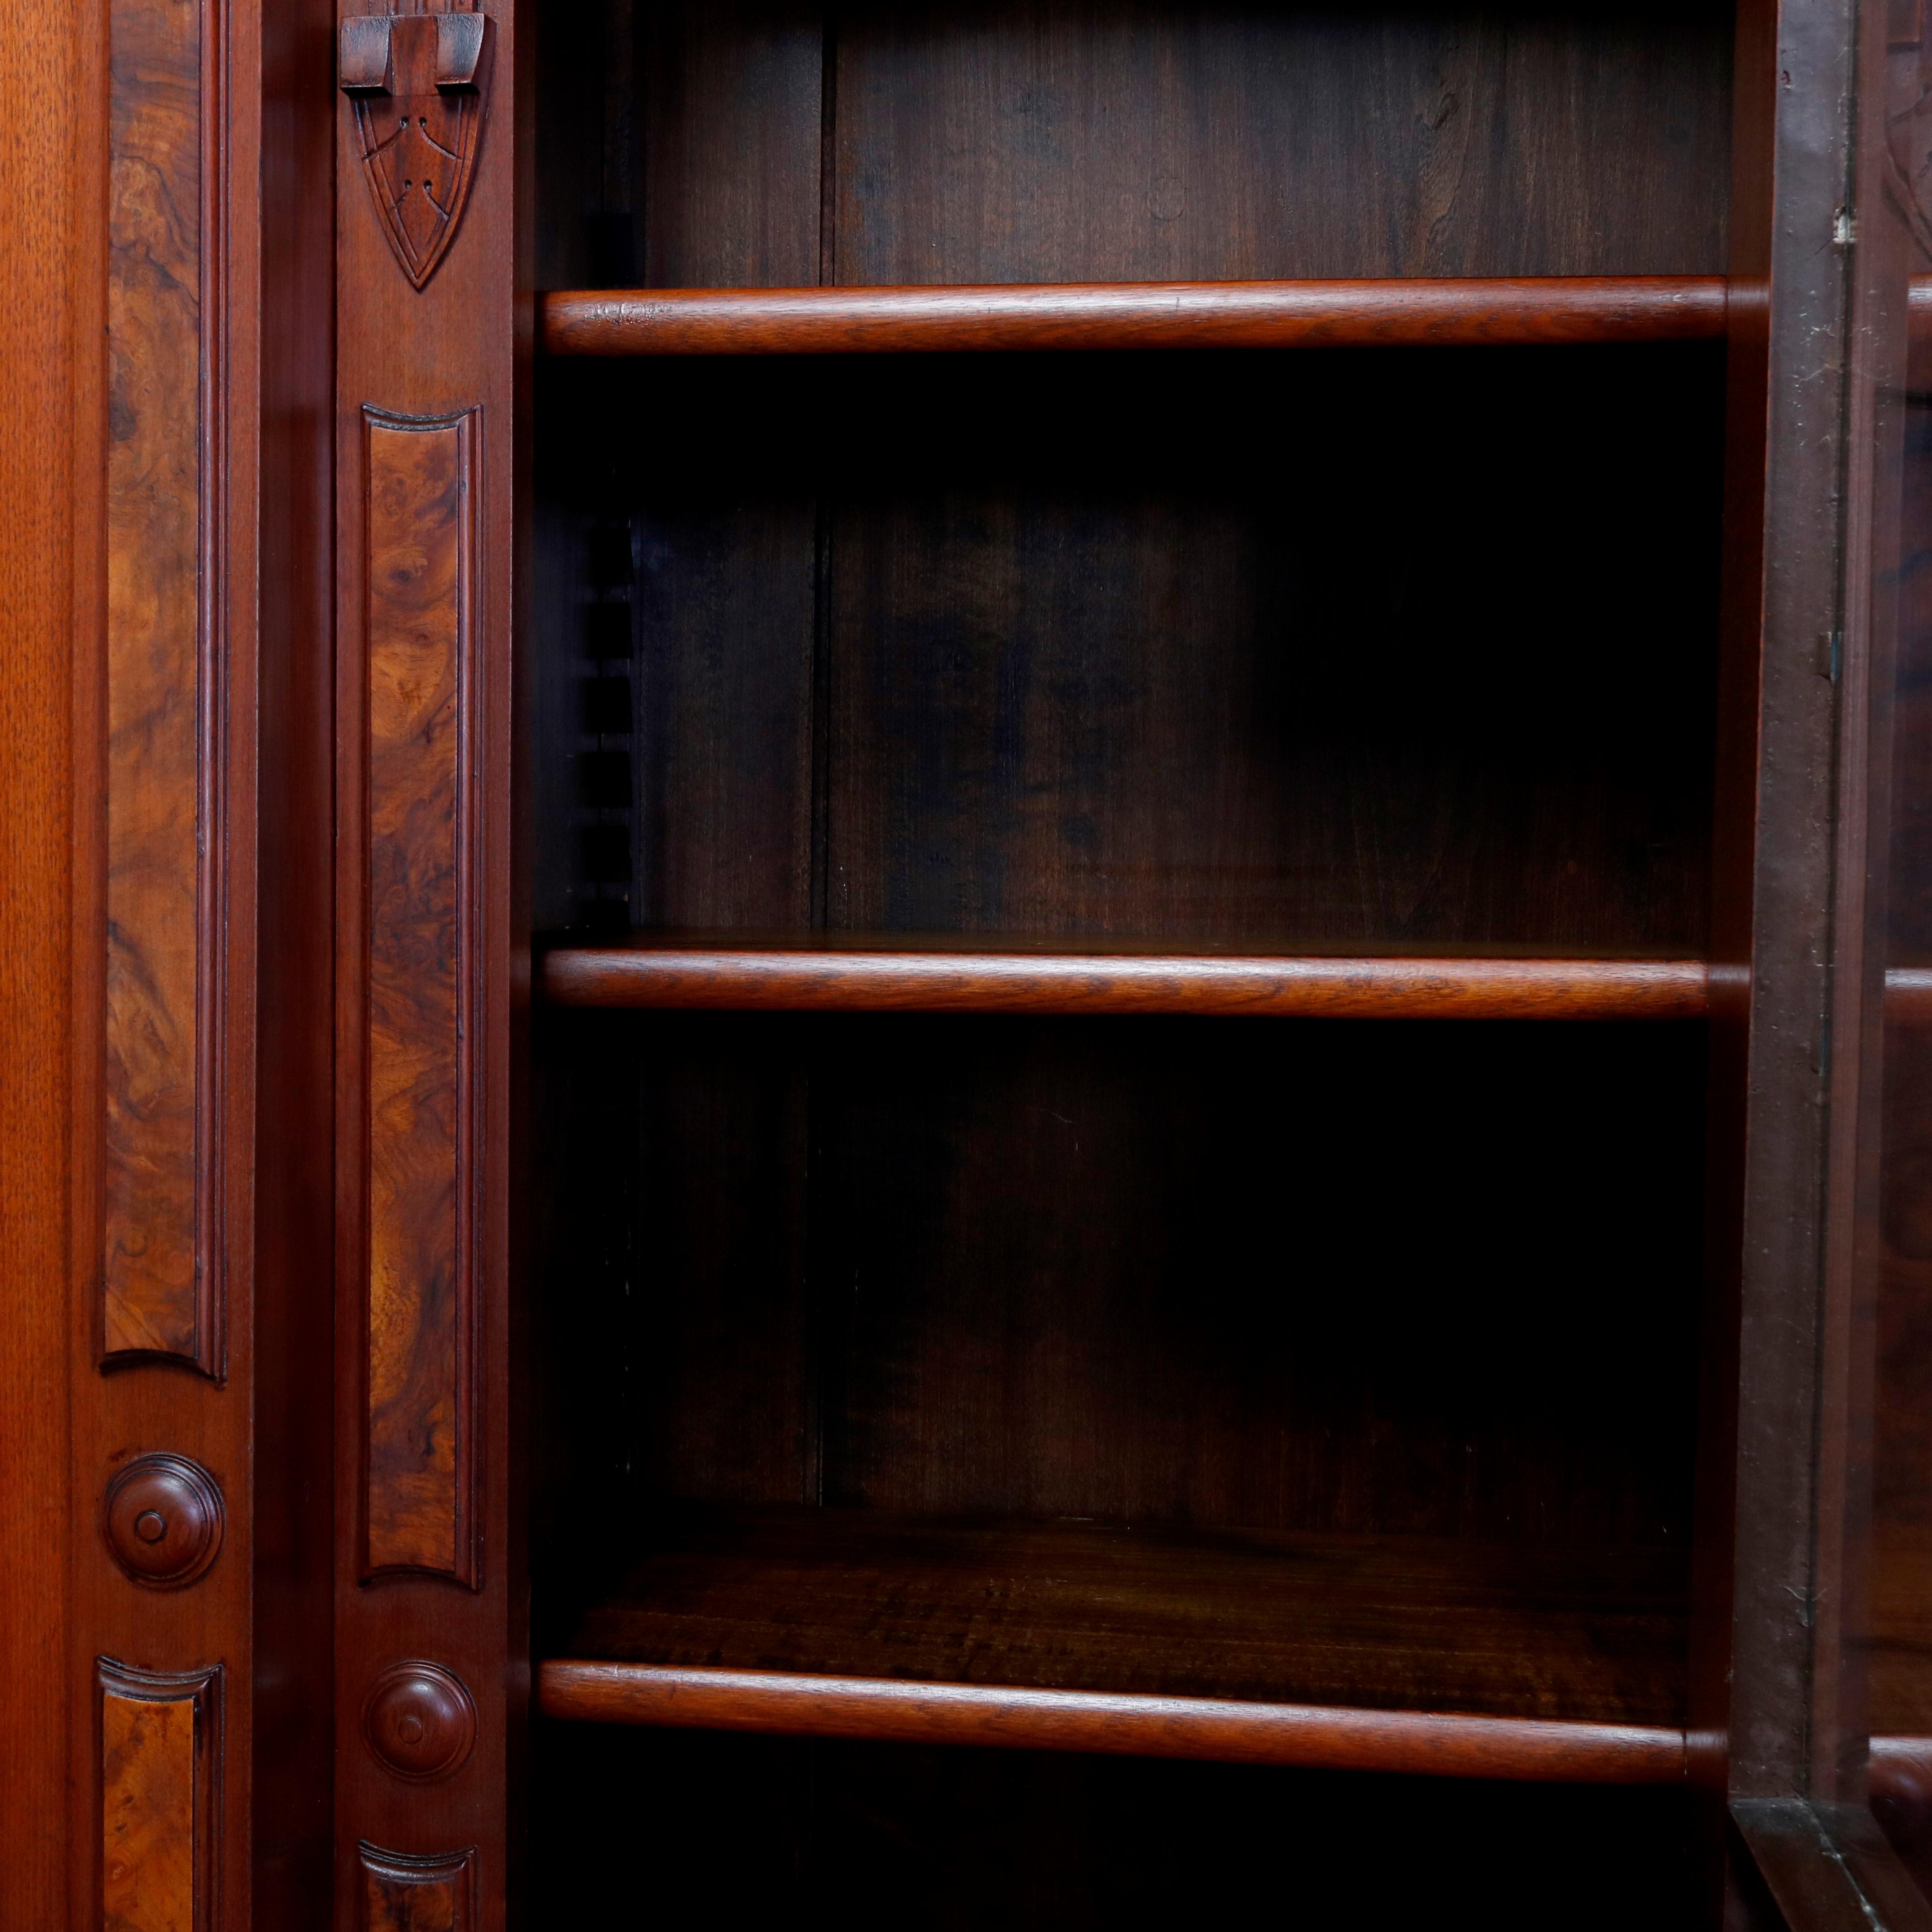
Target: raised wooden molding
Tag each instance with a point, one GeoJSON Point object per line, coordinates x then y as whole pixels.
{"type": "Point", "coordinates": [162, 1275]}
{"type": "Point", "coordinates": [160, 1767]}
{"type": "Point", "coordinates": [420, 84]}
{"type": "Point", "coordinates": [424, 1000]}
{"type": "Point", "coordinates": [403, 1893]}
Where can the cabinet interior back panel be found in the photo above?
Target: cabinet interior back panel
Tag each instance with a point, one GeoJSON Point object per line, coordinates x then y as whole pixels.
{"type": "Point", "coordinates": [1334, 649]}
{"type": "Point", "coordinates": [1060, 142]}
{"type": "Point", "coordinates": [1420, 1279]}
{"type": "Point", "coordinates": [881, 1836]}
{"type": "Point", "coordinates": [703, 143]}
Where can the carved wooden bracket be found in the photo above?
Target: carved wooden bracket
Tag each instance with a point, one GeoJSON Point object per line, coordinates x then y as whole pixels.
{"type": "Point", "coordinates": [420, 83]}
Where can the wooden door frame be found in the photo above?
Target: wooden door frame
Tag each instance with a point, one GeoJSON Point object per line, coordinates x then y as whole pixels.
{"type": "Point", "coordinates": [250, 1635]}
{"type": "Point", "coordinates": [1777, 1705]}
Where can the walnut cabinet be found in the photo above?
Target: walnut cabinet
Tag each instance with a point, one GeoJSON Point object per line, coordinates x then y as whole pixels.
{"type": "Point", "coordinates": [970, 964]}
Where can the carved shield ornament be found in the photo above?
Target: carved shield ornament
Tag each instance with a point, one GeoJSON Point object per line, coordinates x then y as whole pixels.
{"type": "Point", "coordinates": [419, 83]}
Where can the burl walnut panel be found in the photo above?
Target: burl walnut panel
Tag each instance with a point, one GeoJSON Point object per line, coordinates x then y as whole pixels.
{"type": "Point", "coordinates": [160, 1273]}
{"type": "Point", "coordinates": [159, 1743]}
{"type": "Point", "coordinates": [405, 1893]}
{"type": "Point", "coordinates": [422, 1298]}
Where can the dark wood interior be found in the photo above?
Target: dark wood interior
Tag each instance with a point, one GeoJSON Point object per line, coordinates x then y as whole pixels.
{"type": "Point", "coordinates": [1901, 1627]}
{"type": "Point", "coordinates": [1344, 1361]}
{"type": "Point", "coordinates": [751, 145]}
{"type": "Point", "coordinates": [1405, 1623]}
{"type": "Point", "coordinates": [1143, 1271]}
{"type": "Point", "coordinates": [1387, 648]}
{"type": "Point", "coordinates": [834, 1291]}
{"type": "Point", "coordinates": [866, 1835]}
{"type": "Point", "coordinates": [969, 964]}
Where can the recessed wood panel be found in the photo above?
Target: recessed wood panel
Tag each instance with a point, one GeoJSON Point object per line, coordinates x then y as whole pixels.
{"type": "Point", "coordinates": [422, 1307]}
{"type": "Point", "coordinates": [160, 1742]}
{"type": "Point", "coordinates": [401, 1893]}
{"type": "Point", "coordinates": [161, 1267]}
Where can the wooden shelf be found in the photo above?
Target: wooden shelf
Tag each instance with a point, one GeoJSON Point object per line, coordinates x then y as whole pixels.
{"type": "Point", "coordinates": [1908, 995]}
{"type": "Point", "coordinates": [1312, 1737]}
{"type": "Point", "coordinates": [859, 976]}
{"type": "Point", "coordinates": [1436, 312]}
{"type": "Point", "coordinates": [1422, 1654]}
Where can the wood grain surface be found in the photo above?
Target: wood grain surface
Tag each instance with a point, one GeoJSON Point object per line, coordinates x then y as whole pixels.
{"type": "Point", "coordinates": [1900, 1763]}
{"type": "Point", "coordinates": [808, 979]}
{"type": "Point", "coordinates": [1394, 1623]}
{"type": "Point", "coordinates": [1141, 1269]}
{"type": "Point", "coordinates": [1445, 313]}
{"type": "Point", "coordinates": [1429, 1744]}
{"type": "Point", "coordinates": [420, 494]}
{"type": "Point", "coordinates": [161, 1745]}
{"type": "Point", "coordinates": [428, 433]}
{"type": "Point", "coordinates": [290, 1401]}
{"type": "Point", "coordinates": [162, 1270]}
{"type": "Point", "coordinates": [1003, 656]}
{"type": "Point", "coordinates": [161, 851]}
{"type": "Point", "coordinates": [53, 245]}
{"type": "Point", "coordinates": [405, 1893]}
{"type": "Point", "coordinates": [1036, 140]}
{"type": "Point", "coordinates": [948, 652]}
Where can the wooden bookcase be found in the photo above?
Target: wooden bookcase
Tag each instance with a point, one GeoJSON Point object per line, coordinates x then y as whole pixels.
{"type": "Point", "coordinates": [1124, 782]}
{"type": "Point", "coordinates": [1031, 883]}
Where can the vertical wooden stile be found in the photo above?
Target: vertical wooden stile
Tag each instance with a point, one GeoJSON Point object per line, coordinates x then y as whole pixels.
{"type": "Point", "coordinates": [427, 1603]}
{"type": "Point", "coordinates": [162, 1368]}
{"type": "Point", "coordinates": [53, 288]}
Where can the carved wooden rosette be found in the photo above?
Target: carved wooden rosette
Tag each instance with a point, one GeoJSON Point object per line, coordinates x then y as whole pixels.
{"type": "Point", "coordinates": [420, 84]}
{"type": "Point", "coordinates": [402, 1893]}
{"type": "Point", "coordinates": [160, 1750]}
{"type": "Point", "coordinates": [421, 477]}
{"type": "Point", "coordinates": [420, 1720]}
{"type": "Point", "coordinates": [164, 1520]}
{"type": "Point", "coordinates": [161, 1267]}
